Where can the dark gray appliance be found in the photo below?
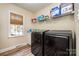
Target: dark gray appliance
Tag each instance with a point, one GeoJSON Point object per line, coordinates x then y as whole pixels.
{"type": "Point", "coordinates": [37, 42]}
{"type": "Point", "coordinates": [58, 43]}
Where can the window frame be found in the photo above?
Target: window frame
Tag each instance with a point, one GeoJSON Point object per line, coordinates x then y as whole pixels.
{"type": "Point", "coordinates": [16, 25]}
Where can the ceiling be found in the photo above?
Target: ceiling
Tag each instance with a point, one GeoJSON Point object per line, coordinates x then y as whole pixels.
{"type": "Point", "coordinates": [32, 7]}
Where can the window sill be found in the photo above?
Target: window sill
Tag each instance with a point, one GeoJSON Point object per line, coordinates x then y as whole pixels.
{"type": "Point", "coordinates": [15, 36]}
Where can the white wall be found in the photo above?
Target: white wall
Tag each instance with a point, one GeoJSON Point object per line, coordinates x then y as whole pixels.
{"type": "Point", "coordinates": [5, 10]}
{"type": "Point", "coordinates": [77, 27]}
{"type": "Point", "coordinates": [61, 23]}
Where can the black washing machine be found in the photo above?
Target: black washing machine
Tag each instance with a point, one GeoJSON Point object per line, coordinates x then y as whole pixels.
{"type": "Point", "coordinates": [37, 43]}
{"type": "Point", "coordinates": [57, 43]}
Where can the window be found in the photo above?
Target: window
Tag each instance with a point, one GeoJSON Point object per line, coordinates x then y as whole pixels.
{"type": "Point", "coordinates": [16, 25]}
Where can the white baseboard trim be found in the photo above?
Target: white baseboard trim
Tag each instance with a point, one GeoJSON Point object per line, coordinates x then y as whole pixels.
{"type": "Point", "coordinates": [7, 49]}
{"type": "Point", "coordinates": [12, 47]}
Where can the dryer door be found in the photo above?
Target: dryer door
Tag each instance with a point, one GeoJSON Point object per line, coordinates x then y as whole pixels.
{"type": "Point", "coordinates": [56, 45]}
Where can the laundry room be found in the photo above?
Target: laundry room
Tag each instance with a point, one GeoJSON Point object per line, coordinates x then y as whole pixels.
{"type": "Point", "coordinates": [39, 29]}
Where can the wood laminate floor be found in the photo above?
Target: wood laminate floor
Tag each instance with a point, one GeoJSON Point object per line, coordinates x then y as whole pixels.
{"type": "Point", "coordinates": [23, 52]}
